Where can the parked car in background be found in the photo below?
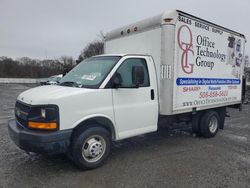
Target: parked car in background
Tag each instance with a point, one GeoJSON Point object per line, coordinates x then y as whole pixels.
{"type": "Point", "coordinates": [53, 80]}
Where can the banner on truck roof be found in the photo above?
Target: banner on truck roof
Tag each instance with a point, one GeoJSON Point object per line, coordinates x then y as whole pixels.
{"type": "Point", "coordinates": [210, 65]}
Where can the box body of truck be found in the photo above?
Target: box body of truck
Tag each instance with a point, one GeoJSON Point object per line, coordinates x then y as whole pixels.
{"type": "Point", "coordinates": [199, 64]}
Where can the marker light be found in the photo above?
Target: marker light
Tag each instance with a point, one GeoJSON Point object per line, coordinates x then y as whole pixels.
{"type": "Point", "coordinates": [167, 20]}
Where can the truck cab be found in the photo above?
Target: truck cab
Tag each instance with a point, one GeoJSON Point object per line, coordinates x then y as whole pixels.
{"type": "Point", "coordinates": [104, 98]}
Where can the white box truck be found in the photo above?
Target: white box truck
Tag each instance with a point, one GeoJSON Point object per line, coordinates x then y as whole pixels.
{"type": "Point", "coordinates": [173, 66]}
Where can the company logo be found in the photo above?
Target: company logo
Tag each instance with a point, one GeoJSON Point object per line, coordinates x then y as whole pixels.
{"type": "Point", "coordinates": [186, 47]}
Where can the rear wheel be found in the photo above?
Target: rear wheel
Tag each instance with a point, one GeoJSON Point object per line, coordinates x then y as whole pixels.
{"type": "Point", "coordinates": [91, 148]}
{"type": "Point", "coordinates": [209, 124]}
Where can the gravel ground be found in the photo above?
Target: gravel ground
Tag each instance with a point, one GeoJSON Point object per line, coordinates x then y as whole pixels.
{"type": "Point", "coordinates": [171, 157]}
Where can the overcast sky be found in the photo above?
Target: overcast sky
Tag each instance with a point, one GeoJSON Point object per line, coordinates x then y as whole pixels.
{"type": "Point", "coordinates": [52, 28]}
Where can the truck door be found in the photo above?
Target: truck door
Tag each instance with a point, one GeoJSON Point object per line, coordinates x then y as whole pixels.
{"type": "Point", "coordinates": [135, 105]}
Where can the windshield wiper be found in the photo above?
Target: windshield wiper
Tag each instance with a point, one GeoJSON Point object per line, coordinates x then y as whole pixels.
{"type": "Point", "coordinates": [69, 83]}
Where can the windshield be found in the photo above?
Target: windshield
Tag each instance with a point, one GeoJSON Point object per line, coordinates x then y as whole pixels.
{"type": "Point", "coordinates": [90, 73]}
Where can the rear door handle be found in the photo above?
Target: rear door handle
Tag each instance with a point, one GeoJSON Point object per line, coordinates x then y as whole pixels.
{"type": "Point", "coordinates": [152, 93]}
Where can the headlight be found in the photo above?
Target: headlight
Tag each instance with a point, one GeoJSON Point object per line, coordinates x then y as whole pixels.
{"type": "Point", "coordinates": [44, 117]}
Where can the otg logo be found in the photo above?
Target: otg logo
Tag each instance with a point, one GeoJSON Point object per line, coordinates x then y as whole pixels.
{"type": "Point", "coordinates": [186, 48]}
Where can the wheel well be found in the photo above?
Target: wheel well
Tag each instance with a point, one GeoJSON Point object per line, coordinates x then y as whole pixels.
{"type": "Point", "coordinates": [94, 122]}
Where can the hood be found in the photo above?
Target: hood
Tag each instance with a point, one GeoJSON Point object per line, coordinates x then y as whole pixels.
{"type": "Point", "coordinates": [47, 94]}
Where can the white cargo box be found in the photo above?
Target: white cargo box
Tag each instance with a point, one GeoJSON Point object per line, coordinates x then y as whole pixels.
{"type": "Point", "coordinates": [199, 64]}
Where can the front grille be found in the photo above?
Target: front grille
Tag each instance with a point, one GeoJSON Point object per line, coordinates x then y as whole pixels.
{"type": "Point", "coordinates": [21, 112]}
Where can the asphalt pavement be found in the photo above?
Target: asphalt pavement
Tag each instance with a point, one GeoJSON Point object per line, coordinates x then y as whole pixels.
{"type": "Point", "coordinates": [170, 157]}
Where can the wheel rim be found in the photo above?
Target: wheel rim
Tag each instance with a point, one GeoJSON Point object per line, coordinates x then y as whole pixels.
{"type": "Point", "coordinates": [213, 124]}
{"type": "Point", "coordinates": [93, 148]}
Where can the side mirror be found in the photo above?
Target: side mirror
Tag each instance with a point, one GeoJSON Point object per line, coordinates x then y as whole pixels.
{"type": "Point", "coordinates": [137, 75]}
{"type": "Point", "coordinates": [117, 80]}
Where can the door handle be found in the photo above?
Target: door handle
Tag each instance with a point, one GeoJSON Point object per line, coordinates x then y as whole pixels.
{"type": "Point", "coordinates": [152, 93]}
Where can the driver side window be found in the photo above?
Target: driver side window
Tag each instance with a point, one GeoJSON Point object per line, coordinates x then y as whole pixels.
{"type": "Point", "coordinates": [125, 70]}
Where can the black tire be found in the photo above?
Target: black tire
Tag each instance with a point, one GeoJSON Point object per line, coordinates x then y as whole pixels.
{"type": "Point", "coordinates": [207, 119]}
{"type": "Point", "coordinates": [78, 143]}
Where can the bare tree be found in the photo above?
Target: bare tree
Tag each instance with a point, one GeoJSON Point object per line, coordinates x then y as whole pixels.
{"type": "Point", "coordinates": [92, 49]}
{"type": "Point", "coordinates": [29, 68]}
{"type": "Point", "coordinates": [67, 62]}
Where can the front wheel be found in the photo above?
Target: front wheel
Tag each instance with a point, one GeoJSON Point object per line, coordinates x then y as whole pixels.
{"type": "Point", "coordinates": [209, 124]}
{"type": "Point", "coordinates": [90, 148]}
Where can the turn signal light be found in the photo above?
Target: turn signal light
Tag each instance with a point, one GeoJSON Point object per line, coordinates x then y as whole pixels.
{"type": "Point", "coordinates": [42, 125]}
